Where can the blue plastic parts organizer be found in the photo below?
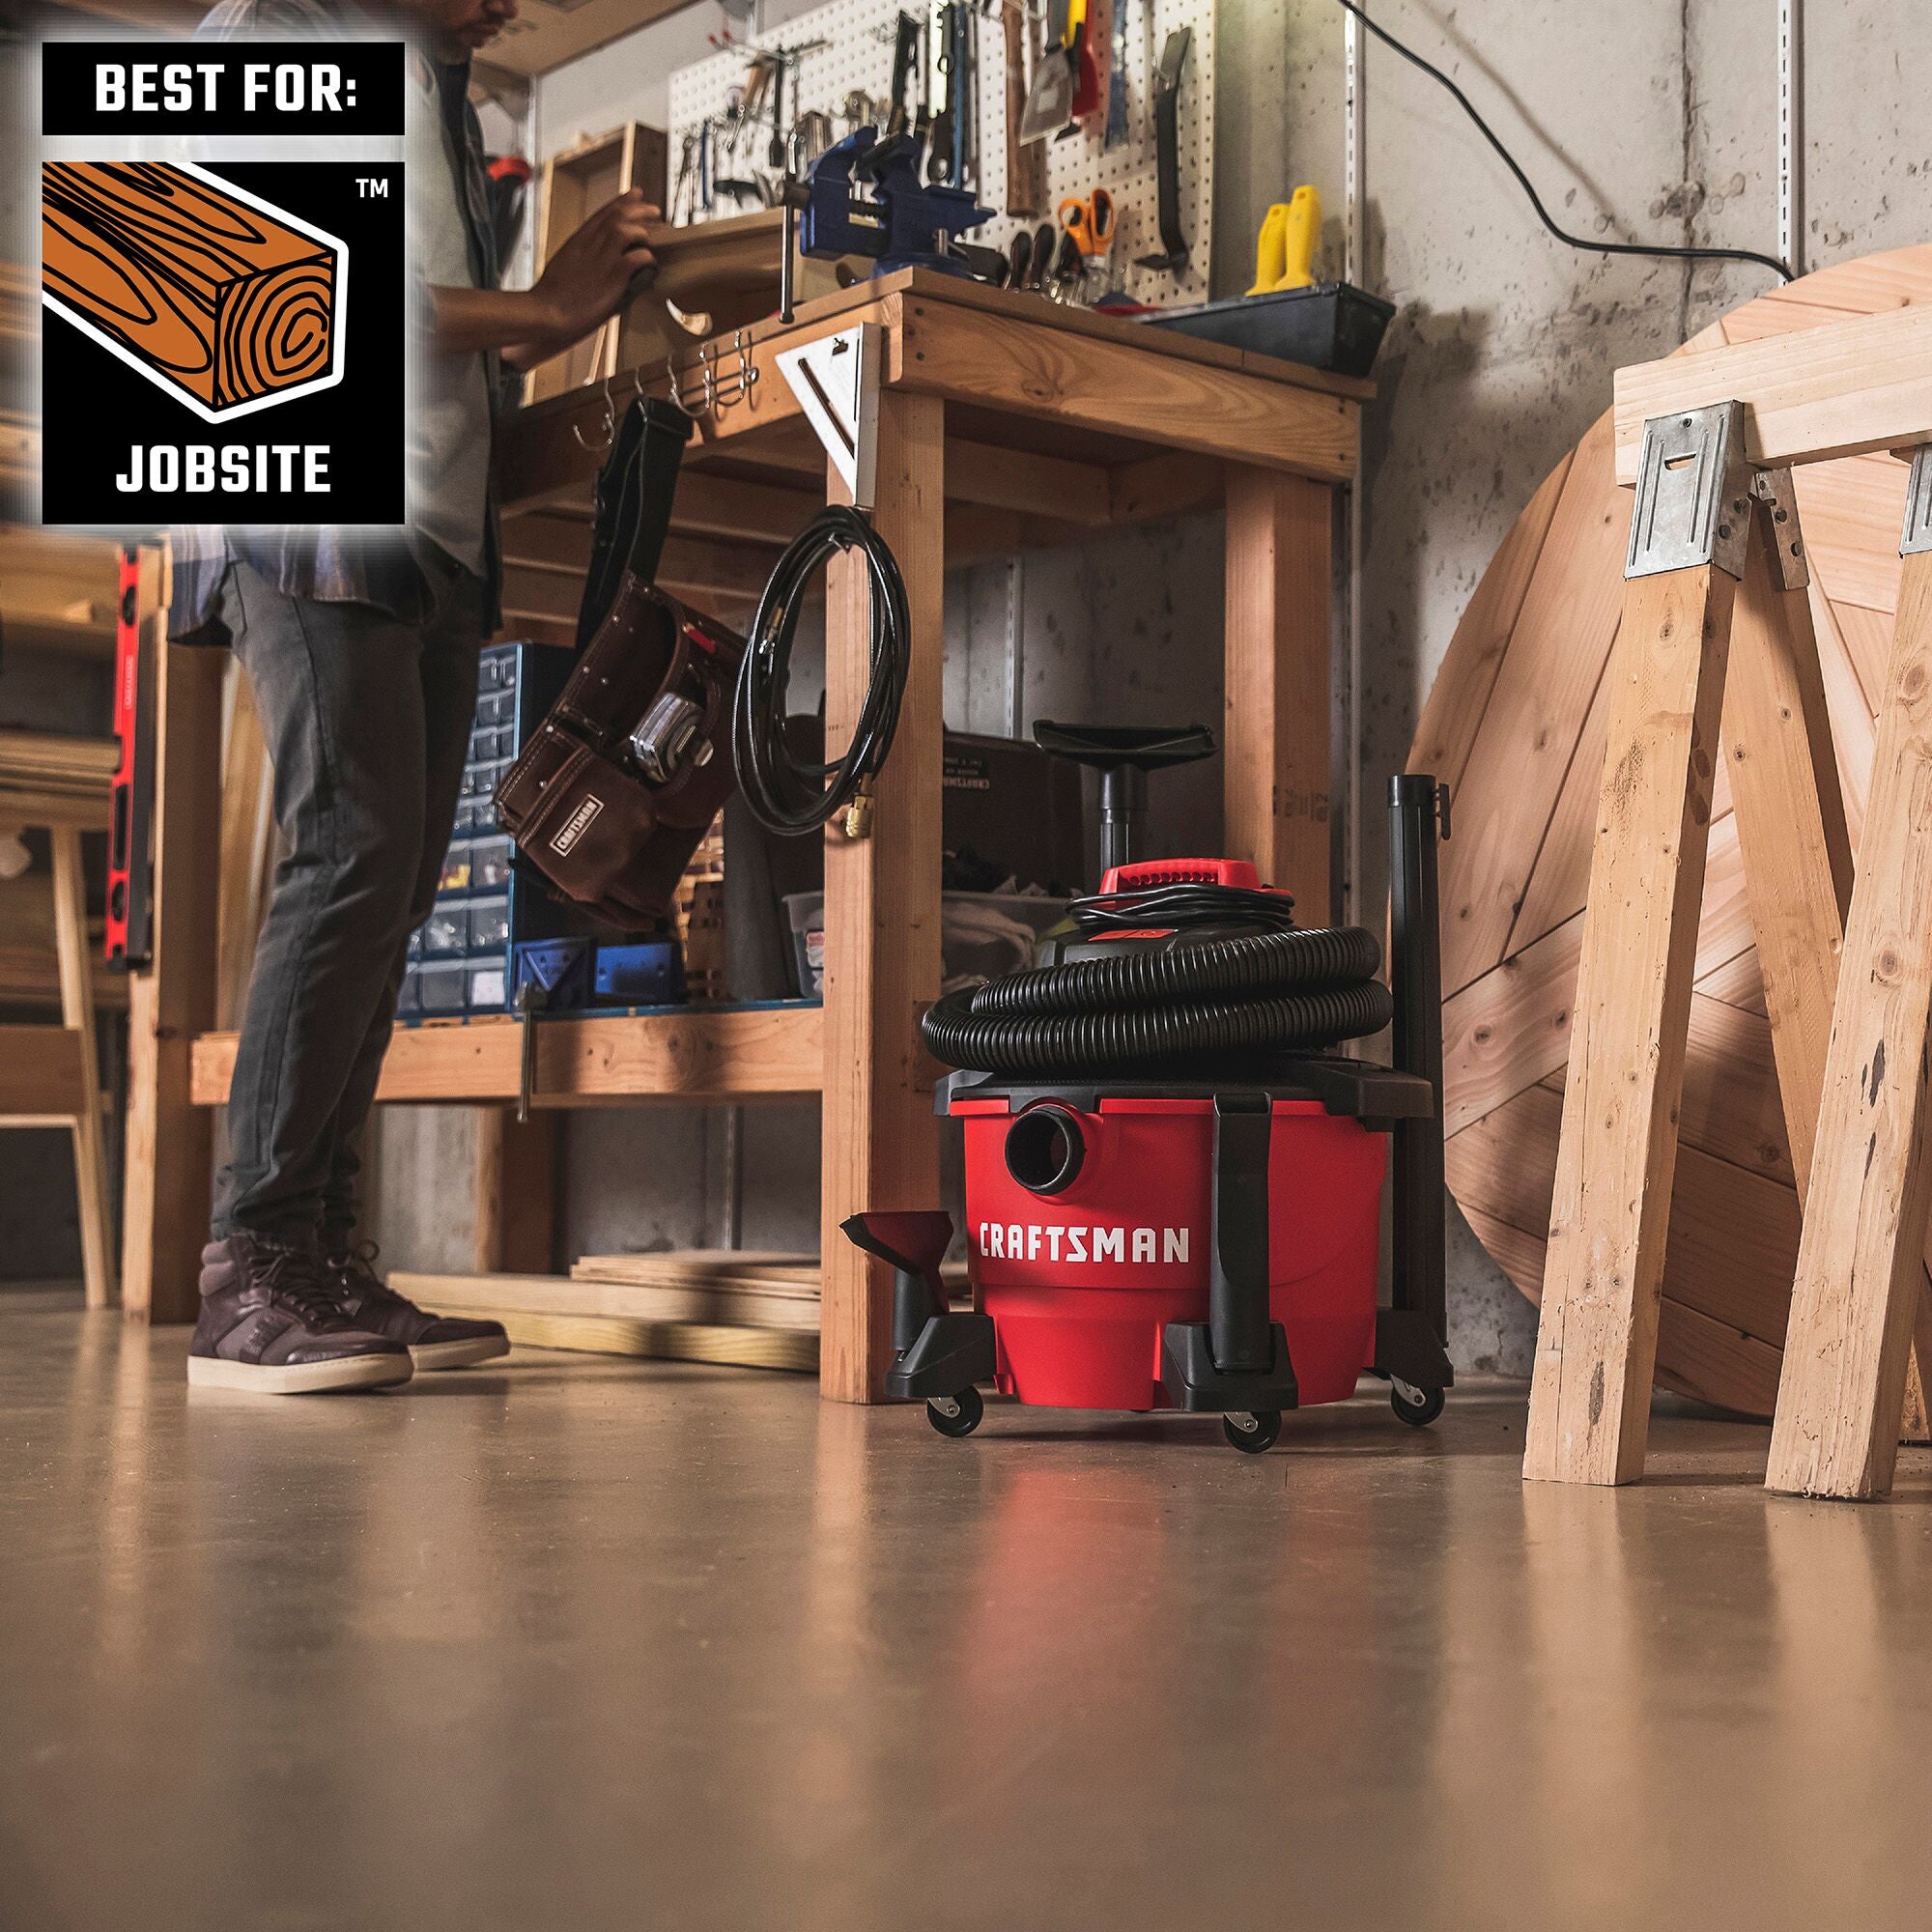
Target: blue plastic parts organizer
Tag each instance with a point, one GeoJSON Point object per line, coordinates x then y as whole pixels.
{"type": "Point", "coordinates": [461, 957]}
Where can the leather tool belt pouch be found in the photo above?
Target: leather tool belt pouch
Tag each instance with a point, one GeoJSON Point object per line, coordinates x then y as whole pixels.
{"type": "Point", "coordinates": [610, 797]}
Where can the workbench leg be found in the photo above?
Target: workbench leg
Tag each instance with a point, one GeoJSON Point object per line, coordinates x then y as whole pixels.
{"type": "Point", "coordinates": [880, 1141]}
{"type": "Point", "coordinates": [170, 1140]}
{"type": "Point", "coordinates": [1275, 747]}
{"type": "Point", "coordinates": [515, 1180]}
{"type": "Point", "coordinates": [77, 991]}
{"type": "Point", "coordinates": [1596, 1345]}
{"type": "Point", "coordinates": [1860, 1258]}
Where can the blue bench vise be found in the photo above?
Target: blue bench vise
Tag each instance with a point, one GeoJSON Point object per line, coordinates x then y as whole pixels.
{"type": "Point", "coordinates": [863, 196]}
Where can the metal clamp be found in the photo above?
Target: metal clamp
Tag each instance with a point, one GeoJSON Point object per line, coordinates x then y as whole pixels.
{"type": "Point", "coordinates": [1693, 494]}
{"type": "Point", "coordinates": [1778, 502]}
{"type": "Point", "coordinates": [1918, 534]}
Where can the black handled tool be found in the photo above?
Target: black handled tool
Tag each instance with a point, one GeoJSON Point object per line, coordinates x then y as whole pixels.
{"type": "Point", "coordinates": [1167, 153]}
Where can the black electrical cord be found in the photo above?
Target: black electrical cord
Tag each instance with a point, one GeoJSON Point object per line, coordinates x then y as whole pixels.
{"type": "Point", "coordinates": [789, 795]}
{"type": "Point", "coordinates": [1489, 133]}
{"type": "Point", "coordinates": [1179, 907]}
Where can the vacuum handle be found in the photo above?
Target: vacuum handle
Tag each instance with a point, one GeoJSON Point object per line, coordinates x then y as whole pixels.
{"type": "Point", "coordinates": [1417, 807]}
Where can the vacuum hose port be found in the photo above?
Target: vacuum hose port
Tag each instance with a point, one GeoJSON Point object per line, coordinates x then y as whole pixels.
{"type": "Point", "coordinates": [1044, 1149]}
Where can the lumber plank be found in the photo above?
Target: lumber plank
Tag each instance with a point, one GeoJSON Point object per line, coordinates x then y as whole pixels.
{"type": "Point", "coordinates": [220, 299]}
{"type": "Point", "coordinates": [1004, 362]}
{"type": "Point", "coordinates": [1452, 714]}
{"type": "Point", "coordinates": [168, 1169]}
{"type": "Point", "coordinates": [1169, 484]}
{"type": "Point", "coordinates": [770, 1268]}
{"type": "Point", "coordinates": [718, 1303]}
{"type": "Point", "coordinates": [1597, 1334]}
{"type": "Point", "coordinates": [1276, 746]}
{"type": "Point", "coordinates": [1849, 387]}
{"type": "Point", "coordinates": [1530, 728]}
{"type": "Point", "coordinates": [1777, 747]}
{"type": "Point", "coordinates": [514, 1183]}
{"type": "Point", "coordinates": [670, 1341]}
{"type": "Point", "coordinates": [89, 1146]}
{"type": "Point", "coordinates": [700, 1054]}
{"type": "Point", "coordinates": [1859, 1263]}
{"type": "Point", "coordinates": [61, 583]}
{"type": "Point", "coordinates": [880, 1141]}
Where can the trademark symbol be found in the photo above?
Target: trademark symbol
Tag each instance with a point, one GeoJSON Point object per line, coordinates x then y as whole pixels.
{"type": "Point", "coordinates": [372, 187]}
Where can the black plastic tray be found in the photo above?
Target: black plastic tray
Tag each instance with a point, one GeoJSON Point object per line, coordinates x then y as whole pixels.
{"type": "Point", "coordinates": [1331, 326]}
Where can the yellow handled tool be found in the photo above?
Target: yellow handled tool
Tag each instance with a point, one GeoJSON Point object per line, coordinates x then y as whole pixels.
{"type": "Point", "coordinates": [1285, 252]}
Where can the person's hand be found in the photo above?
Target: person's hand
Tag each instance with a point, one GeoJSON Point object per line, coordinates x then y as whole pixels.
{"type": "Point", "coordinates": [585, 280]}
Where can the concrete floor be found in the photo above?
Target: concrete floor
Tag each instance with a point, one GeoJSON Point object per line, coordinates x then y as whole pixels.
{"type": "Point", "coordinates": [582, 1643]}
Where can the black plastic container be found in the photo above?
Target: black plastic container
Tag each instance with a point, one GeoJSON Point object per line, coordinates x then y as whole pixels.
{"type": "Point", "coordinates": [1328, 326]}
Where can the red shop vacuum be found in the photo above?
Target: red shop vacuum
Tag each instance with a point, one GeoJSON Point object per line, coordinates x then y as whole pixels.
{"type": "Point", "coordinates": [1174, 1173]}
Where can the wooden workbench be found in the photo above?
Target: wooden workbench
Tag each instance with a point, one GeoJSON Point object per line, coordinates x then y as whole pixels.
{"type": "Point", "coordinates": [1005, 422]}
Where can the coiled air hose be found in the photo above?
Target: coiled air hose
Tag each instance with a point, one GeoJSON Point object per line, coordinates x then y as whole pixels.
{"type": "Point", "coordinates": [1267, 992]}
{"type": "Point", "coordinates": [787, 794]}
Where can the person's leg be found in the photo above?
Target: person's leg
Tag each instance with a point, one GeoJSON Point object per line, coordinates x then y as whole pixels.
{"type": "Point", "coordinates": [449, 689]}
{"type": "Point", "coordinates": [339, 695]}
{"type": "Point", "coordinates": [446, 684]}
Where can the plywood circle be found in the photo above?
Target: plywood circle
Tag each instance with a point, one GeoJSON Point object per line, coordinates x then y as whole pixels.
{"type": "Point", "coordinates": [1516, 723]}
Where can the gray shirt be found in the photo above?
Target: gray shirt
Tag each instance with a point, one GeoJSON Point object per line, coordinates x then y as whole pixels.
{"type": "Point", "coordinates": [448, 396]}
{"type": "Point", "coordinates": [353, 565]}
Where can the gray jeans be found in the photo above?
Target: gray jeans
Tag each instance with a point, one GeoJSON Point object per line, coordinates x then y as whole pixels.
{"type": "Point", "coordinates": [367, 721]}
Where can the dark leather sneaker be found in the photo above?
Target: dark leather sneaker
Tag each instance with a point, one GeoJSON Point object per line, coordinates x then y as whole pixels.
{"type": "Point", "coordinates": [434, 1341]}
{"type": "Point", "coordinates": [271, 1321]}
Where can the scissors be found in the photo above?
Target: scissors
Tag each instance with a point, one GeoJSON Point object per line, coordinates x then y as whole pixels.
{"type": "Point", "coordinates": [1089, 221]}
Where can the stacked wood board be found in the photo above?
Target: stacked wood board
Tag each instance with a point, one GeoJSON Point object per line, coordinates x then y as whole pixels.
{"type": "Point", "coordinates": [743, 1308]}
{"type": "Point", "coordinates": [1516, 723]}
{"type": "Point", "coordinates": [46, 780]}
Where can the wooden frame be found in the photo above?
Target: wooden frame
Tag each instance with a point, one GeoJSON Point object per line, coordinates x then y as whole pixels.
{"type": "Point", "coordinates": [50, 1076]}
{"type": "Point", "coordinates": [1849, 1045]}
{"type": "Point", "coordinates": [1005, 420]}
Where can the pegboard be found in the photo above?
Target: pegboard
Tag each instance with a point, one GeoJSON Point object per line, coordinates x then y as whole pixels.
{"type": "Point", "coordinates": [858, 55]}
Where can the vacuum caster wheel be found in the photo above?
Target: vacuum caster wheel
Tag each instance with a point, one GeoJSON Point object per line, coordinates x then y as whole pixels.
{"type": "Point", "coordinates": [1416, 1406]}
{"type": "Point", "coordinates": [1252, 1433]}
{"type": "Point", "coordinates": [955, 1414]}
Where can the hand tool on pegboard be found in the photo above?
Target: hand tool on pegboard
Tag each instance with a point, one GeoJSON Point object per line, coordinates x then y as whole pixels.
{"type": "Point", "coordinates": [1116, 80]}
{"type": "Point", "coordinates": [1026, 160]}
{"type": "Point", "coordinates": [1086, 72]}
{"type": "Point", "coordinates": [1086, 240]}
{"type": "Point", "coordinates": [1173, 254]}
{"type": "Point", "coordinates": [1050, 92]}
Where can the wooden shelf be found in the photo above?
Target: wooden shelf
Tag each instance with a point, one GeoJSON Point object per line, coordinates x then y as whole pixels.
{"type": "Point", "coordinates": [723, 1054]}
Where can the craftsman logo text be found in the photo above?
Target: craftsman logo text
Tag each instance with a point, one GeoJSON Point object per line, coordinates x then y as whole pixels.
{"type": "Point", "coordinates": [1118, 1247]}
{"type": "Point", "coordinates": [577, 824]}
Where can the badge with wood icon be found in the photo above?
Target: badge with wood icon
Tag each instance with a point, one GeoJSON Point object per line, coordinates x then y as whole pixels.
{"type": "Point", "coordinates": [218, 296]}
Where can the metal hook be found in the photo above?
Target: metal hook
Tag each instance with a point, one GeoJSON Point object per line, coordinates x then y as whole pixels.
{"type": "Point", "coordinates": [610, 426]}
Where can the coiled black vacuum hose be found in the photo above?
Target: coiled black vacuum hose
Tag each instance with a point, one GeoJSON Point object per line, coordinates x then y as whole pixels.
{"type": "Point", "coordinates": [1272, 993]}
{"type": "Point", "coordinates": [785, 794]}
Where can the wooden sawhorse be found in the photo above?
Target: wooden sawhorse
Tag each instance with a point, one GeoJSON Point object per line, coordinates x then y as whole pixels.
{"type": "Point", "coordinates": [1716, 562]}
